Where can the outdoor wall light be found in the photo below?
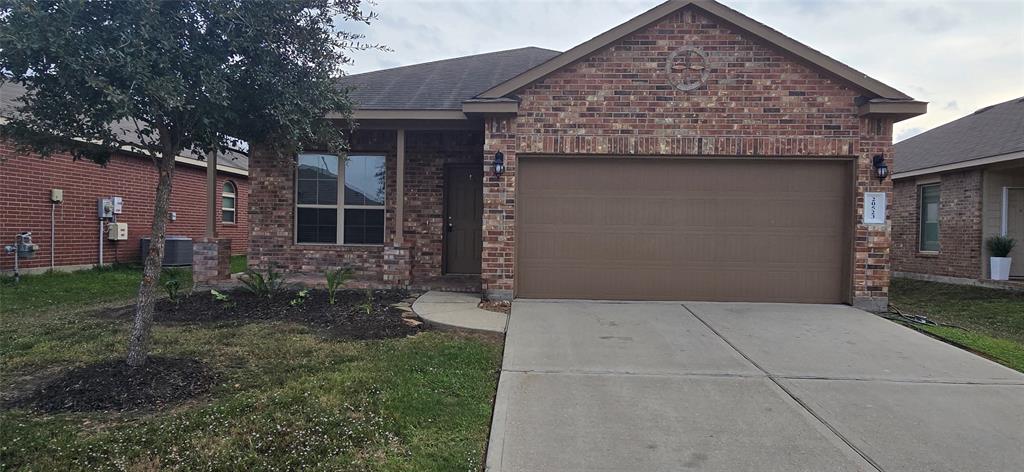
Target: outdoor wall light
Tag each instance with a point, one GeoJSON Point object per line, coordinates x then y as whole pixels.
{"type": "Point", "coordinates": [881, 170]}
{"type": "Point", "coordinates": [499, 163]}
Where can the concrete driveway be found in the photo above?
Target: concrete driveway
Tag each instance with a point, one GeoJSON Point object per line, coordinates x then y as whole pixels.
{"type": "Point", "coordinates": [589, 386]}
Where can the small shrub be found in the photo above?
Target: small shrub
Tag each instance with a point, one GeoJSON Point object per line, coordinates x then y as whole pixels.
{"type": "Point", "coordinates": [1000, 246]}
{"type": "Point", "coordinates": [173, 289]}
{"type": "Point", "coordinates": [263, 285]}
{"type": "Point", "coordinates": [172, 284]}
{"type": "Point", "coordinates": [367, 304]}
{"type": "Point", "coordinates": [300, 297]}
{"type": "Point", "coordinates": [335, 280]}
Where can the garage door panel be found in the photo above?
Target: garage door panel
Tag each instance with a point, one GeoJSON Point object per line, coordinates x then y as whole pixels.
{"type": "Point", "coordinates": [677, 247]}
{"type": "Point", "coordinates": [675, 229]}
{"type": "Point", "coordinates": [707, 283]}
{"type": "Point", "coordinates": [688, 210]}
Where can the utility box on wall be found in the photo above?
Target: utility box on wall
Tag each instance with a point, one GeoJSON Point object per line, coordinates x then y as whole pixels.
{"type": "Point", "coordinates": [105, 208]}
{"type": "Point", "coordinates": [117, 231]}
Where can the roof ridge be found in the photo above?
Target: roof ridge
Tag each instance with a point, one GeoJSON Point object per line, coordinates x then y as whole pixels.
{"type": "Point", "coordinates": [979, 111]}
{"type": "Point", "coordinates": [450, 59]}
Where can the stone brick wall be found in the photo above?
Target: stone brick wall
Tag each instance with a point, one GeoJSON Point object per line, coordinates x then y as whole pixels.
{"type": "Point", "coordinates": [427, 153]}
{"type": "Point", "coordinates": [211, 260]}
{"type": "Point", "coordinates": [960, 215]}
{"type": "Point", "coordinates": [26, 180]}
{"type": "Point", "coordinates": [757, 102]}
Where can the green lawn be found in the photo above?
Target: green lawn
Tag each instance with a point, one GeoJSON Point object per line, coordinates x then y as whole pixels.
{"type": "Point", "coordinates": [288, 398]}
{"type": "Point", "coordinates": [238, 263]}
{"type": "Point", "coordinates": [82, 289]}
{"type": "Point", "coordinates": [986, 320]}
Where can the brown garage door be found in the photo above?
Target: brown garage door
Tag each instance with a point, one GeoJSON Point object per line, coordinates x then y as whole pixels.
{"type": "Point", "coordinates": [684, 229]}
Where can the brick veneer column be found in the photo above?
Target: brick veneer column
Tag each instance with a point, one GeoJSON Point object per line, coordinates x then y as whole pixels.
{"type": "Point", "coordinates": [871, 247]}
{"type": "Point", "coordinates": [397, 263]}
{"type": "Point", "coordinates": [211, 260]}
{"type": "Point", "coordinates": [498, 258]}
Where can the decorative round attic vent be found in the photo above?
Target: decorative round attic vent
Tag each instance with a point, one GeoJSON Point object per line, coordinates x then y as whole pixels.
{"type": "Point", "coordinates": [687, 68]}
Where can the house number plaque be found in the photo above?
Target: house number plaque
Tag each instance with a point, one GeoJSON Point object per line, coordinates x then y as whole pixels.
{"type": "Point", "coordinates": [874, 208]}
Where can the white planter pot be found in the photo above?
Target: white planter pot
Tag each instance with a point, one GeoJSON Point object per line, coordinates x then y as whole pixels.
{"type": "Point", "coordinates": [1000, 268]}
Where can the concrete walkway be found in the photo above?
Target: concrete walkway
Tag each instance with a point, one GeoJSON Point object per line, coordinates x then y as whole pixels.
{"type": "Point", "coordinates": [458, 310]}
{"type": "Point", "coordinates": [735, 387]}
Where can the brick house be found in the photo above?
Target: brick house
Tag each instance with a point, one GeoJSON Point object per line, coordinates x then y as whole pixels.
{"type": "Point", "coordinates": [954, 187]}
{"type": "Point", "coordinates": [26, 182]}
{"type": "Point", "coordinates": [690, 153]}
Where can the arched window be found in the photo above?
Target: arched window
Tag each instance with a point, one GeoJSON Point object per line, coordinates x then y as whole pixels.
{"type": "Point", "coordinates": [228, 198]}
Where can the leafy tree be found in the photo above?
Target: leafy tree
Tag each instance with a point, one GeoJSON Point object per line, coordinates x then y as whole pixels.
{"type": "Point", "coordinates": [165, 76]}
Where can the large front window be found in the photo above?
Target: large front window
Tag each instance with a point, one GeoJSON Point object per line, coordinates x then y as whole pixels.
{"type": "Point", "coordinates": [929, 211]}
{"type": "Point", "coordinates": [340, 202]}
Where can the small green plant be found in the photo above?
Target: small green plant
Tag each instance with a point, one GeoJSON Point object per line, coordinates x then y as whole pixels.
{"type": "Point", "coordinates": [263, 285]}
{"type": "Point", "coordinates": [172, 284]}
{"type": "Point", "coordinates": [335, 280]}
{"type": "Point", "coordinates": [220, 297]}
{"type": "Point", "coordinates": [173, 289]}
{"type": "Point", "coordinates": [367, 304]}
{"type": "Point", "coordinates": [1000, 246]}
{"type": "Point", "coordinates": [300, 297]}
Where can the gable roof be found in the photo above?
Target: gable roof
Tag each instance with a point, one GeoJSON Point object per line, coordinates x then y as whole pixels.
{"type": "Point", "coordinates": [738, 19]}
{"type": "Point", "coordinates": [230, 161]}
{"type": "Point", "coordinates": [440, 85]}
{"type": "Point", "coordinates": [996, 130]}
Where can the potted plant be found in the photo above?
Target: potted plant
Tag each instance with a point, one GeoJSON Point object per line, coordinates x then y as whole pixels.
{"type": "Point", "coordinates": [999, 248]}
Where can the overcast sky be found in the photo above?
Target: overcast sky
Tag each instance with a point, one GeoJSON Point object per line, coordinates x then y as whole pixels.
{"type": "Point", "coordinates": [957, 55]}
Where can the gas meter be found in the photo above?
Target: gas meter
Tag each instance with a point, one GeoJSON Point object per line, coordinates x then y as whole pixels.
{"type": "Point", "coordinates": [23, 248]}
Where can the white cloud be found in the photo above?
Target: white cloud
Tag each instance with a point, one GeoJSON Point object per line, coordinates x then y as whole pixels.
{"type": "Point", "coordinates": [968, 54]}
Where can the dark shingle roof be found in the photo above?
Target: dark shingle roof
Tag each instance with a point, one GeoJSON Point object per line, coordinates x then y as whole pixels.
{"type": "Point", "coordinates": [990, 131]}
{"type": "Point", "coordinates": [440, 85]}
{"type": "Point", "coordinates": [9, 103]}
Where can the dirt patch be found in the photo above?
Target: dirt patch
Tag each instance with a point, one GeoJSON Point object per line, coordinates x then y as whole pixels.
{"type": "Point", "coordinates": [498, 306]}
{"type": "Point", "coordinates": [114, 386]}
{"type": "Point", "coordinates": [354, 315]}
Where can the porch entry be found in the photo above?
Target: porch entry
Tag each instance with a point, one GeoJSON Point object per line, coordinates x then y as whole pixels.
{"type": "Point", "coordinates": [463, 218]}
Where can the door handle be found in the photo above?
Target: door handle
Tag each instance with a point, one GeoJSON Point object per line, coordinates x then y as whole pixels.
{"type": "Point", "coordinates": [451, 227]}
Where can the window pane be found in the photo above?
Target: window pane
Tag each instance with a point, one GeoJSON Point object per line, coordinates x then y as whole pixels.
{"type": "Point", "coordinates": [306, 192]}
{"type": "Point", "coordinates": [327, 192]}
{"type": "Point", "coordinates": [317, 225]}
{"type": "Point", "coordinates": [364, 180]}
{"type": "Point", "coordinates": [227, 203]}
{"type": "Point", "coordinates": [929, 214]}
{"type": "Point", "coordinates": [229, 187]}
{"type": "Point", "coordinates": [364, 226]}
{"type": "Point", "coordinates": [228, 216]}
{"type": "Point", "coordinates": [318, 179]}
{"type": "Point", "coordinates": [318, 166]}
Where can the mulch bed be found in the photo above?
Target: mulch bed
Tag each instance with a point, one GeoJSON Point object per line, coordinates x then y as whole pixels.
{"type": "Point", "coordinates": [346, 319]}
{"type": "Point", "coordinates": [497, 306]}
{"type": "Point", "coordinates": [114, 386]}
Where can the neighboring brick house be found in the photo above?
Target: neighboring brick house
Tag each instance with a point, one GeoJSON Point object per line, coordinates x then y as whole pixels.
{"type": "Point", "coordinates": [690, 153]}
{"type": "Point", "coordinates": [25, 188]}
{"type": "Point", "coordinates": [955, 186]}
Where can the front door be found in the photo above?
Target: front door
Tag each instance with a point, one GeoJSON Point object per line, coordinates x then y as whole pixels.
{"type": "Point", "coordinates": [463, 219]}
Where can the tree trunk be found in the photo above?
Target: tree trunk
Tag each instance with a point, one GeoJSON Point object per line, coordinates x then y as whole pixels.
{"type": "Point", "coordinates": [138, 342]}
